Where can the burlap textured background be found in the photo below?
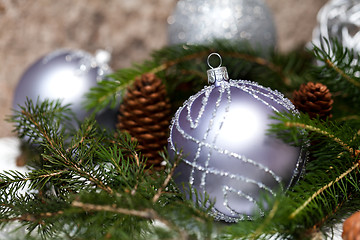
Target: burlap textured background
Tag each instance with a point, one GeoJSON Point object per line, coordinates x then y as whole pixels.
{"type": "Point", "coordinates": [130, 29]}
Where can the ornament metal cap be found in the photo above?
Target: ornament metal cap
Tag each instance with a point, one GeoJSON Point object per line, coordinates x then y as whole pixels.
{"type": "Point", "coordinates": [217, 74]}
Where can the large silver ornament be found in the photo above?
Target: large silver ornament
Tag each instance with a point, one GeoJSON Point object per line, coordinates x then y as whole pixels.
{"type": "Point", "coordinates": [64, 74]}
{"type": "Point", "coordinates": [339, 19]}
{"type": "Point", "coordinates": [202, 21]}
{"type": "Point", "coordinates": [226, 151]}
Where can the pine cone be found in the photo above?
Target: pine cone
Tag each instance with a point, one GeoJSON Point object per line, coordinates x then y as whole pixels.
{"type": "Point", "coordinates": [351, 227]}
{"type": "Point", "coordinates": [145, 115]}
{"type": "Point", "coordinates": [314, 99]}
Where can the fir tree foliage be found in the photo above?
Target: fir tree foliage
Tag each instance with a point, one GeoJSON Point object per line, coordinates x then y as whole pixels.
{"type": "Point", "coordinates": [183, 69]}
{"type": "Point", "coordinates": [340, 71]}
{"type": "Point", "coordinates": [91, 183]}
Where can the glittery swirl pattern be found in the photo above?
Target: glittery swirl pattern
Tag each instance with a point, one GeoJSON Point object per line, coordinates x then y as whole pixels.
{"type": "Point", "coordinates": [86, 62]}
{"type": "Point", "coordinates": [259, 93]}
{"type": "Point", "coordinates": [277, 97]}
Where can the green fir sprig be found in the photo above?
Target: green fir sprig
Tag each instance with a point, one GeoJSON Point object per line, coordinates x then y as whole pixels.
{"type": "Point", "coordinates": [186, 64]}
{"type": "Point", "coordinates": [338, 68]}
{"type": "Point", "coordinates": [93, 185]}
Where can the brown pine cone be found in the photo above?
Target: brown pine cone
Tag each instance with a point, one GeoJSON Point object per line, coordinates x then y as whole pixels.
{"type": "Point", "coordinates": [145, 115]}
{"type": "Point", "coordinates": [314, 99]}
{"type": "Point", "coordinates": [351, 227]}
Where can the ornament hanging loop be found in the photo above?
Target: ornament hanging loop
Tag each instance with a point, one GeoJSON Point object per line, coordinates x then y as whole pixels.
{"type": "Point", "coordinates": [208, 60]}
{"type": "Point", "coordinates": [218, 74]}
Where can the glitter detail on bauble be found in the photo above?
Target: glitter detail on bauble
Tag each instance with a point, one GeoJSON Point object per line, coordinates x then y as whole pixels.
{"type": "Point", "coordinates": [339, 19]}
{"type": "Point", "coordinates": [226, 150]}
{"type": "Point", "coordinates": [64, 74]}
{"type": "Point", "coordinates": [201, 21]}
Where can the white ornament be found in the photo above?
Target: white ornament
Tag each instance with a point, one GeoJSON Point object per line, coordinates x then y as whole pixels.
{"type": "Point", "coordinates": [339, 19]}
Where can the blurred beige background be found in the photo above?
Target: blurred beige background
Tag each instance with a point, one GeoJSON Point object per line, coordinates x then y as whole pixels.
{"type": "Point", "coordinates": [130, 29]}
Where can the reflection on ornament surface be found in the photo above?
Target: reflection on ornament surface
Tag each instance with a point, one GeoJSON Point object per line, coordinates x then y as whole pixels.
{"type": "Point", "coordinates": [64, 74]}
{"type": "Point", "coordinates": [201, 21]}
{"type": "Point", "coordinates": [226, 150]}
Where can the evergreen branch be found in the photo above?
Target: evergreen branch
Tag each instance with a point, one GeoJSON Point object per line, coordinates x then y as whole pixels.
{"type": "Point", "coordinates": [102, 94]}
{"type": "Point", "coordinates": [185, 58]}
{"type": "Point", "coordinates": [50, 174]}
{"type": "Point", "coordinates": [38, 218]}
{"type": "Point", "coordinates": [74, 166]}
{"type": "Point", "coordinates": [184, 62]}
{"type": "Point", "coordinates": [196, 73]}
{"type": "Point", "coordinates": [112, 159]}
{"type": "Point", "coordinates": [125, 143]}
{"type": "Point", "coordinates": [324, 219]}
{"type": "Point", "coordinates": [259, 231]}
{"type": "Point", "coordinates": [93, 179]}
{"type": "Point", "coordinates": [338, 174]}
{"type": "Point", "coordinates": [50, 139]}
{"type": "Point", "coordinates": [146, 213]}
{"type": "Point", "coordinates": [137, 160]}
{"type": "Point", "coordinates": [31, 177]}
{"type": "Point", "coordinates": [237, 55]}
{"type": "Point", "coordinates": [319, 131]}
{"type": "Point", "coordinates": [121, 199]}
{"type": "Point", "coordinates": [31, 119]}
{"type": "Point", "coordinates": [321, 190]}
{"type": "Point", "coordinates": [342, 73]}
{"type": "Point", "coordinates": [348, 118]}
{"type": "Point", "coordinates": [339, 72]}
{"type": "Point", "coordinates": [166, 181]}
{"type": "Point", "coordinates": [35, 178]}
{"type": "Point", "coordinates": [260, 61]}
{"type": "Point", "coordinates": [82, 138]}
{"type": "Point", "coordinates": [42, 131]}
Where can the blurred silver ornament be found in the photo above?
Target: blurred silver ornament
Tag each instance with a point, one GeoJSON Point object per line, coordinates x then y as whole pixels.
{"type": "Point", "coordinates": [202, 21]}
{"type": "Point", "coordinates": [64, 74]}
{"type": "Point", "coordinates": [226, 151]}
{"type": "Point", "coordinates": [339, 19]}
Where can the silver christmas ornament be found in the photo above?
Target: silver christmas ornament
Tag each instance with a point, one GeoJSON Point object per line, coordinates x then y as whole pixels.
{"type": "Point", "coordinates": [202, 21]}
{"type": "Point", "coordinates": [221, 136]}
{"type": "Point", "coordinates": [64, 74]}
{"type": "Point", "coordinates": [339, 19]}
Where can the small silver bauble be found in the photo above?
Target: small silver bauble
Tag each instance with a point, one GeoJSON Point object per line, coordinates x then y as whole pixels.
{"type": "Point", "coordinates": [226, 151]}
{"type": "Point", "coordinates": [64, 74]}
{"type": "Point", "coordinates": [339, 19]}
{"type": "Point", "coordinates": [202, 21]}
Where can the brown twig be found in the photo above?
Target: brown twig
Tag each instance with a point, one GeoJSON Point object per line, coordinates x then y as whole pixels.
{"type": "Point", "coordinates": [166, 182]}
{"type": "Point", "coordinates": [33, 218]}
{"type": "Point", "coordinates": [146, 213]}
{"type": "Point", "coordinates": [41, 176]}
{"type": "Point", "coordinates": [136, 156]}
